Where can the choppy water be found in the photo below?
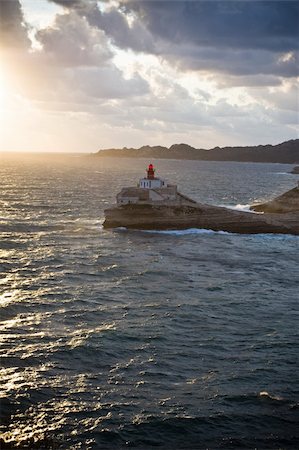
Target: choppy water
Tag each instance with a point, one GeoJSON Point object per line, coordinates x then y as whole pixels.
{"type": "Point", "coordinates": [112, 339]}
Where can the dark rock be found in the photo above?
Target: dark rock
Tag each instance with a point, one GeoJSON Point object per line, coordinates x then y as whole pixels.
{"type": "Point", "coordinates": [285, 203]}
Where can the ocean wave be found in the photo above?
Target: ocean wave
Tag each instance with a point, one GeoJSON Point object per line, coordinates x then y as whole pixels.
{"type": "Point", "coordinates": [276, 398]}
{"type": "Point", "coordinates": [255, 398]}
{"type": "Point", "coordinates": [241, 207]}
{"type": "Point", "coordinates": [199, 231]}
{"type": "Point", "coordinates": [177, 232]}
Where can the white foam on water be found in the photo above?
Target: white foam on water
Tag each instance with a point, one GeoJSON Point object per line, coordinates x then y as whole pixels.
{"type": "Point", "coordinates": [186, 232]}
{"type": "Point", "coordinates": [239, 207]}
{"type": "Point", "coordinates": [200, 231]}
{"type": "Point", "coordinates": [175, 232]}
{"type": "Point", "coordinates": [243, 208]}
{"type": "Point", "coordinates": [267, 395]}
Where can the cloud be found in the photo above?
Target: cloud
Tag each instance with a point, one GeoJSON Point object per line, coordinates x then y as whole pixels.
{"type": "Point", "coordinates": [268, 25]}
{"type": "Point", "coordinates": [57, 87]}
{"type": "Point", "coordinates": [248, 80]}
{"type": "Point", "coordinates": [186, 65]}
{"type": "Point", "coordinates": [134, 35]}
{"type": "Point", "coordinates": [240, 38]}
{"type": "Point", "coordinates": [73, 66]}
{"type": "Point", "coordinates": [13, 29]}
{"type": "Point", "coordinates": [121, 28]}
{"type": "Point", "coordinates": [239, 62]}
{"type": "Point", "coordinates": [284, 97]}
{"type": "Point", "coordinates": [107, 83]}
{"type": "Point", "coordinates": [70, 41]}
{"type": "Point", "coordinates": [237, 37]}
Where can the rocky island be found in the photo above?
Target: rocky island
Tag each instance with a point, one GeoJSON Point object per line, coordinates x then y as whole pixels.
{"type": "Point", "coordinates": [295, 170]}
{"type": "Point", "coordinates": [156, 205]}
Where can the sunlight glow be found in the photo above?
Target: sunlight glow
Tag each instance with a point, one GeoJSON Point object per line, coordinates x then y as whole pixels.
{"type": "Point", "coordinates": [3, 89]}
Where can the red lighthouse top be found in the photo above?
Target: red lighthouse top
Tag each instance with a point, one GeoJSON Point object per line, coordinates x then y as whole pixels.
{"type": "Point", "coordinates": [151, 172]}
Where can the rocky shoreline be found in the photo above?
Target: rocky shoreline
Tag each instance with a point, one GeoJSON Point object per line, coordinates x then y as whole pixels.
{"type": "Point", "coordinates": [274, 219]}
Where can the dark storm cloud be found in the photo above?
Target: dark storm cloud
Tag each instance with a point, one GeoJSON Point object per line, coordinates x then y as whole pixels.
{"type": "Point", "coordinates": [13, 30]}
{"type": "Point", "coordinates": [241, 38]}
{"type": "Point", "coordinates": [115, 25]}
{"type": "Point", "coordinates": [267, 25]}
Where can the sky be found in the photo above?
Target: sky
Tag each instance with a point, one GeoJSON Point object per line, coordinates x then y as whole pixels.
{"type": "Point", "coordinates": [84, 75]}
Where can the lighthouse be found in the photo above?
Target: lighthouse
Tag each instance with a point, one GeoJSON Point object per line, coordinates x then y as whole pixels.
{"type": "Point", "coordinates": [150, 190]}
{"type": "Point", "coordinates": [151, 182]}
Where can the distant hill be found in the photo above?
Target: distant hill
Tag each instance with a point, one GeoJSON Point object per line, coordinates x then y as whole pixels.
{"type": "Point", "coordinates": [285, 153]}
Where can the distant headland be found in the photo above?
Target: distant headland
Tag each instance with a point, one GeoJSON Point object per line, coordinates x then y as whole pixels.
{"type": "Point", "coordinates": [284, 153]}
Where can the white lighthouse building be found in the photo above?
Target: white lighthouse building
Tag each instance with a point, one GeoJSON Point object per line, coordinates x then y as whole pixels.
{"type": "Point", "coordinates": [153, 190]}
{"type": "Point", "coordinates": [151, 182]}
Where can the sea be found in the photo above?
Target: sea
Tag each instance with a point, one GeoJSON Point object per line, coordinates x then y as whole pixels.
{"type": "Point", "coordinates": [121, 338]}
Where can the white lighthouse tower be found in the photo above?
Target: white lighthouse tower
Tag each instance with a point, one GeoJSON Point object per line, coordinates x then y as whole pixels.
{"type": "Point", "coordinates": [151, 182]}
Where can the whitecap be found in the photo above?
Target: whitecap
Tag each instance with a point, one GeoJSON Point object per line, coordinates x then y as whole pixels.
{"type": "Point", "coordinates": [241, 207]}
{"type": "Point", "coordinates": [199, 231]}
{"type": "Point", "coordinates": [186, 232]}
{"type": "Point", "coordinates": [267, 395]}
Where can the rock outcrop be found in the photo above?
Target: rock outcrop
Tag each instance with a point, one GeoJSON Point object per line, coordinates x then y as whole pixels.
{"type": "Point", "coordinates": [295, 170]}
{"type": "Point", "coordinates": [160, 217]}
{"type": "Point", "coordinates": [285, 203]}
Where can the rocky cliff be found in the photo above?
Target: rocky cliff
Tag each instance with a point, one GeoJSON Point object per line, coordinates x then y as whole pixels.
{"type": "Point", "coordinates": [285, 203]}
